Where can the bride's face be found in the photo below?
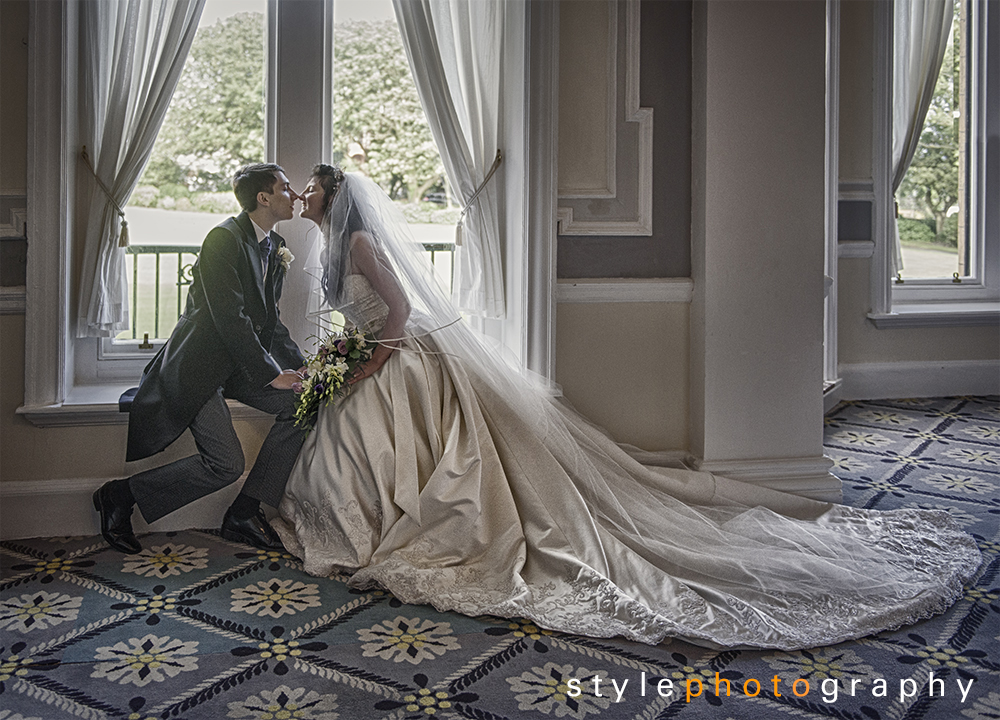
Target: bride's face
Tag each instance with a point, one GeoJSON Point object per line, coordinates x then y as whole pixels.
{"type": "Point", "coordinates": [312, 201]}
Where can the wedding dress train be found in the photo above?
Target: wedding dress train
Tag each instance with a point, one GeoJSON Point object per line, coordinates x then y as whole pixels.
{"type": "Point", "coordinates": [428, 482]}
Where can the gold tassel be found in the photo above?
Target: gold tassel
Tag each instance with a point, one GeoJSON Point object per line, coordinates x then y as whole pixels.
{"type": "Point", "coordinates": [123, 238]}
{"type": "Point", "coordinates": [482, 186]}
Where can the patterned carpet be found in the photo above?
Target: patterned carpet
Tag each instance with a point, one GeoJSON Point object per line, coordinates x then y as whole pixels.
{"type": "Point", "coordinates": [197, 627]}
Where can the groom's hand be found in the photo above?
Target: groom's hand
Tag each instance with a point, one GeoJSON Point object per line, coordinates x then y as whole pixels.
{"type": "Point", "coordinates": [286, 379]}
{"type": "Point", "coordinates": [297, 386]}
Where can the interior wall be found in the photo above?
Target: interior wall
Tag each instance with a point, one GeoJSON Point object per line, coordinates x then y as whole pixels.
{"type": "Point", "coordinates": [13, 180]}
{"type": "Point", "coordinates": [664, 86]}
{"type": "Point", "coordinates": [13, 154]}
{"type": "Point", "coordinates": [585, 80]}
{"type": "Point", "coordinates": [758, 251]}
{"type": "Point", "coordinates": [856, 50]}
{"type": "Point", "coordinates": [625, 366]}
{"type": "Point", "coordinates": [635, 384]}
{"type": "Point", "coordinates": [860, 342]}
{"type": "Point", "coordinates": [14, 93]}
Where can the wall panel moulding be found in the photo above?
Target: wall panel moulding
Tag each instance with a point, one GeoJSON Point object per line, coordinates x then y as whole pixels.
{"type": "Point", "coordinates": [605, 138]}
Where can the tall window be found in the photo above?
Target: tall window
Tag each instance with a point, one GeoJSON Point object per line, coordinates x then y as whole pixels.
{"type": "Point", "coordinates": [67, 380]}
{"type": "Point", "coordinates": [948, 202]}
{"type": "Point", "coordinates": [934, 198]}
{"type": "Point", "coordinates": [216, 124]}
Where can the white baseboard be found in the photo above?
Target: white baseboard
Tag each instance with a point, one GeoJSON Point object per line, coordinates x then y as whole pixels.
{"type": "Point", "coordinates": [56, 508]}
{"type": "Point", "coordinates": [657, 458]}
{"type": "Point", "coordinates": [876, 381]}
{"type": "Point", "coordinates": [808, 477]}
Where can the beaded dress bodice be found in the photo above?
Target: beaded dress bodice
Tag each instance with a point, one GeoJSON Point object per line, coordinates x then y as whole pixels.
{"type": "Point", "coordinates": [364, 308]}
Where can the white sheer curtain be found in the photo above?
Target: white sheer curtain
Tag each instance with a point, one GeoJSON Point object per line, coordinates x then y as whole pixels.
{"type": "Point", "coordinates": [132, 53]}
{"type": "Point", "coordinates": [453, 47]}
{"type": "Point", "coordinates": [920, 36]}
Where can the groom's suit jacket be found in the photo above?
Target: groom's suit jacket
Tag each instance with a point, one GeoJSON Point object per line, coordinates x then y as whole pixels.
{"type": "Point", "coordinates": [229, 336]}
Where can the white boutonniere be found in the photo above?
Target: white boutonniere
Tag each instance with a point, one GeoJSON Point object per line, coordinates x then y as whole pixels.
{"type": "Point", "coordinates": [285, 257]}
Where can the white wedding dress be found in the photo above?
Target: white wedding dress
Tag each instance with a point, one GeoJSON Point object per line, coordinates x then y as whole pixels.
{"type": "Point", "coordinates": [427, 482]}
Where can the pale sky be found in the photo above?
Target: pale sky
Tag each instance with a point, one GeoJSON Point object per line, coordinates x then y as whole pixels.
{"type": "Point", "coordinates": [215, 9]}
{"type": "Point", "coordinates": [342, 9]}
{"type": "Point", "coordinates": [363, 10]}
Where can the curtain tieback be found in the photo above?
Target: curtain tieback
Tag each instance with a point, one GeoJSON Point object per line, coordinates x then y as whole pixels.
{"type": "Point", "coordinates": [123, 238]}
{"type": "Point", "coordinates": [482, 186]}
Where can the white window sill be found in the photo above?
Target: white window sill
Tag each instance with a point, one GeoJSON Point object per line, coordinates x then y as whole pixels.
{"type": "Point", "coordinates": [938, 315]}
{"type": "Point", "coordinates": [98, 405]}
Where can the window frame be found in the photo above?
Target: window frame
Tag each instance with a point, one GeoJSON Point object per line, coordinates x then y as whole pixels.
{"type": "Point", "coordinates": [931, 302]}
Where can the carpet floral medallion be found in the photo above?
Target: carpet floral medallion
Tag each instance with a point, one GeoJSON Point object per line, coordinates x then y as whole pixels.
{"type": "Point", "coordinates": [196, 627]}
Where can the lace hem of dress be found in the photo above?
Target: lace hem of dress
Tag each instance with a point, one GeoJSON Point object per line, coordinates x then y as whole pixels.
{"type": "Point", "coordinates": [590, 604]}
{"type": "Point", "coordinates": [921, 557]}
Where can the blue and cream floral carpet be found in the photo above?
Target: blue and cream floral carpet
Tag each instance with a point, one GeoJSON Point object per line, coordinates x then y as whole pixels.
{"type": "Point", "coordinates": [196, 627]}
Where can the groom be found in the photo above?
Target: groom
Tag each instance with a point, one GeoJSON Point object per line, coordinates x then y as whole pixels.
{"type": "Point", "coordinates": [230, 342]}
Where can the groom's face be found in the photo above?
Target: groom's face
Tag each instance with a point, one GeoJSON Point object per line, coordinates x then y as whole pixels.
{"type": "Point", "coordinates": [282, 198]}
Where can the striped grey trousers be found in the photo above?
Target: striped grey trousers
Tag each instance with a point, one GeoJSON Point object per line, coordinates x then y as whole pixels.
{"type": "Point", "coordinates": [220, 462]}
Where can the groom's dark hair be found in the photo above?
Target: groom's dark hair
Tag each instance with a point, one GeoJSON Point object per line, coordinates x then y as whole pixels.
{"type": "Point", "coordinates": [252, 179]}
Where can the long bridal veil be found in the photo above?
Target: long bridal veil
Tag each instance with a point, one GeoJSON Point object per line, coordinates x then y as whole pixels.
{"type": "Point", "coordinates": [604, 545]}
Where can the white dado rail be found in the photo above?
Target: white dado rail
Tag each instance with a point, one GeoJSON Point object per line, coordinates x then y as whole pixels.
{"type": "Point", "coordinates": [613, 290]}
{"type": "Point", "coordinates": [12, 300]}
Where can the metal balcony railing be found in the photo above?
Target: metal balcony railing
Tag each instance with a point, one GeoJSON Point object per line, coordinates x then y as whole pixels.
{"type": "Point", "coordinates": [182, 280]}
{"type": "Point", "coordinates": [163, 312]}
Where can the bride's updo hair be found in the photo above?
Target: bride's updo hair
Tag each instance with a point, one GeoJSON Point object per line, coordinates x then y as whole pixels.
{"type": "Point", "coordinates": [330, 178]}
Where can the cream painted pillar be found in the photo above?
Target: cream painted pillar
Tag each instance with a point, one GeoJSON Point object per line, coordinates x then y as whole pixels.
{"type": "Point", "coordinates": [757, 244]}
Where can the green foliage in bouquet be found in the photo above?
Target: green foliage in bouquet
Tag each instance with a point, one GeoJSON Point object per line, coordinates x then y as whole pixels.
{"type": "Point", "coordinates": [327, 372]}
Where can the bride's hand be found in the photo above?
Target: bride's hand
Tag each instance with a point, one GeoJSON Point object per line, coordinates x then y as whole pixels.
{"type": "Point", "coordinates": [378, 359]}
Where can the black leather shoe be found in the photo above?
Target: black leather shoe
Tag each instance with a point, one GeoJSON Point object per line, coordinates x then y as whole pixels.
{"type": "Point", "coordinates": [253, 530]}
{"type": "Point", "coordinates": [116, 521]}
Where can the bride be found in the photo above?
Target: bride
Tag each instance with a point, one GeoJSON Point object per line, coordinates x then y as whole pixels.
{"type": "Point", "coordinates": [450, 479]}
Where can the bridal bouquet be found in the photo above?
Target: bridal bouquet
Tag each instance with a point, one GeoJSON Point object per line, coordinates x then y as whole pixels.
{"type": "Point", "coordinates": [336, 359]}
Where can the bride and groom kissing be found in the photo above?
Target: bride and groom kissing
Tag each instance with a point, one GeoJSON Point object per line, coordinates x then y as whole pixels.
{"type": "Point", "coordinates": [449, 478]}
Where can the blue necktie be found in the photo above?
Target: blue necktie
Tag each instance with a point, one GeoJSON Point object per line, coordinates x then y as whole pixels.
{"type": "Point", "coordinates": [265, 251]}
